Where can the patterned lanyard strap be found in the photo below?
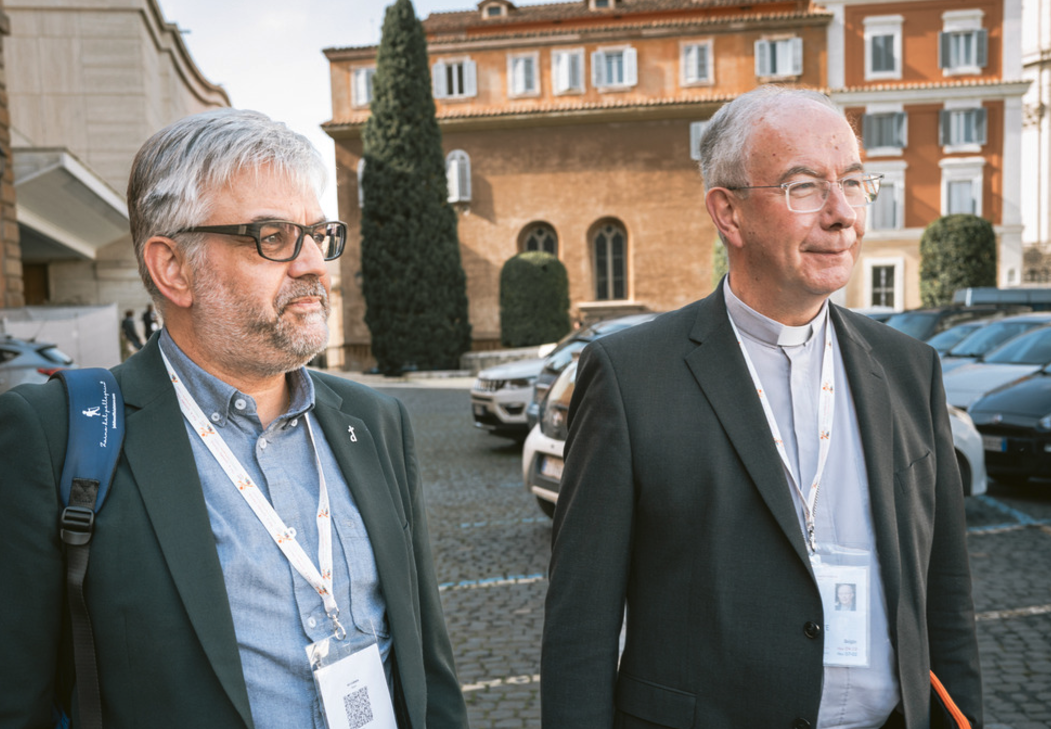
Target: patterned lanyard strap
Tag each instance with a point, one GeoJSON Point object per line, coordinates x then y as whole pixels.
{"type": "Point", "coordinates": [826, 411]}
{"type": "Point", "coordinates": [283, 536]}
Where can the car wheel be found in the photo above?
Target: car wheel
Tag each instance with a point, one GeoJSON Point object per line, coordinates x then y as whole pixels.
{"type": "Point", "coordinates": [546, 506]}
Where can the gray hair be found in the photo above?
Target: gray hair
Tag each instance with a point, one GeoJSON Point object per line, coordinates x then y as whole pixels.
{"type": "Point", "coordinates": [180, 168]}
{"type": "Point", "coordinates": [724, 146]}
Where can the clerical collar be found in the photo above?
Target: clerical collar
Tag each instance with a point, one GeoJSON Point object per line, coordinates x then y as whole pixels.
{"type": "Point", "coordinates": [765, 330]}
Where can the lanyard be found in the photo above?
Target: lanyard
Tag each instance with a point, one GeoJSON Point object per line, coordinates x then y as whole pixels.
{"type": "Point", "coordinates": [826, 410]}
{"type": "Point", "coordinates": [283, 536]}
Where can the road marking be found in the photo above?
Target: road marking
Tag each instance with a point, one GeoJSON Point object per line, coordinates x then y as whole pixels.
{"type": "Point", "coordinates": [508, 681]}
{"type": "Point", "coordinates": [1015, 613]}
{"type": "Point", "coordinates": [491, 582]}
{"type": "Point", "coordinates": [1020, 516]}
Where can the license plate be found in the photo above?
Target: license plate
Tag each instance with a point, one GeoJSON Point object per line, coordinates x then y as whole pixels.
{"type": "Point", "coordinates": [993, 443]}
{"type": "Point", "coordinates": [551, 467]}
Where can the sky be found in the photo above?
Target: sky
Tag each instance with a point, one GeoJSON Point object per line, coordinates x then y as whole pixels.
{"type": "Point", "coordinates": [267, 54]}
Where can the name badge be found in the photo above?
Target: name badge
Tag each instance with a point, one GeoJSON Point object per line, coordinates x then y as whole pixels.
{"type": "Point", "coordinates": [352, 686]}
{"type": "Point", "coordinates": [845, 599]}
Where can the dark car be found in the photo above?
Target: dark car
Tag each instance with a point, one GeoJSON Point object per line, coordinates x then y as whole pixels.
{"type": "Point", "coordinates": [26, 361]}
{"type": "Point", "coordinates": [945, 340]}
{"type": "Point", "coordinates": [568, 347]}
{"type": "Point", "coordinates": [925, 323]}
{"type": "Point", "coordinates": [1015, 423]}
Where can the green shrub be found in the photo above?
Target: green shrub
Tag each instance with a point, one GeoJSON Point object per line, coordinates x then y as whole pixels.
{"type": "Point", "coordinates": [534, 300]}
{"type": "Point", "coordinates": [719, 263]}
{"type": "Point", "coordinates": [956, 251]}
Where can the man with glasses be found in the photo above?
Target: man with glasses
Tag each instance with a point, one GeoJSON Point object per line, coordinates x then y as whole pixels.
{"type": "Point", "coordinates": [262, 558]}
{"type": "Point", "coordinates": [730, 464]}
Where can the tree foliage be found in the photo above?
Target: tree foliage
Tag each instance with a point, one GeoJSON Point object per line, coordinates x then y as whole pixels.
{"type": "Point", "coordinates": [956, 251]}
{"type": "Point", "coordinates": [412, 277]}
{"type": "Point", "coordinates": [534, 300]}
{"type": "Point", "coordinates": [720, 265]}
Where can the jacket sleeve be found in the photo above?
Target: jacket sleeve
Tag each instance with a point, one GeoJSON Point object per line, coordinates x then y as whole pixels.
{"type": "Point", "coordinates": [590, 556]}
{"type": "Point", "coordinates": [32, 568]}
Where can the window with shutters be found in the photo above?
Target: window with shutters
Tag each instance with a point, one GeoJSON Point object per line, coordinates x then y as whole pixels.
{"type": "Point", "coordinates": [456, 78]}
{"type": "Point", "coordinates": [540, 237]}
{"type": "Point", "coordinates": [361, 88]}
{"type": "Point", "coordinates": [696, 63]}
{"type": "Point", "coordinates": [963, 45]}
{"type": "Point", "coordinates": [609, 245]}
{"type": "Point", "coordinates": [884, 282]}
{"type": "Point", "coordinates": [884, 132]}
{"type": "Point", "coordinates": [567, 71]}
{"type": "Point", "coordinates": [962, 129]}
{"type": "Point", "coordinates": [458, 176]}
{"type": "Point", "coordinates": [778, 58]}
{"type": "Point", "coordinates": [522, 76]}
{"type": "Point", "coordinates": [962, 179]}
{"type": "Point", "coordinates": [696, 132]}
{"type": "Point", "coordinates": [888, 211]}
{"type": "Point", "coordinates": [614, 68]}
{"type": "Point", "coordinates": [883, 47]}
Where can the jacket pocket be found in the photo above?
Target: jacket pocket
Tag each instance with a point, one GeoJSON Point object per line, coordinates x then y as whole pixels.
{"type": "Point", "coordinates": [655, 703]}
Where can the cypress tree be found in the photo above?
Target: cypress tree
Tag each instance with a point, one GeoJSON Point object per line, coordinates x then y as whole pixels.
{"type": "Point", "coordinates": [412, 278]}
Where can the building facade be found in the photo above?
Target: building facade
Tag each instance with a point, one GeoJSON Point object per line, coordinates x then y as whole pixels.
{"type": "Point", "coordinates": [1036, 140]}
{"type": "Point", "coordinates": [10, 252]}
{"type": "Point", "coordinates": [573, 128]}
{"type": "Point", "coordinates": [88, 83]}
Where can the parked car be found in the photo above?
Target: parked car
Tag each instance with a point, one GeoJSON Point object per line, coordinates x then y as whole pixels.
{"type": "Point", "coordinates": [925, 323]}
{"type": "Point", "coordinates": [1015, 423]}
{"type": "Point", "coordinates": [24, 361]}
{"type": "Point", "coordinates": [878, 313]}
{"type": "Point", "coordinates": [984, 340]}
{"type": "Point", "coordinates": [500, 395]}
{"type": "Point", "coordinates": [542, 456]}
{"type": "Point", "coordinates": [1010, 362]}
{"type": "Point", "coordinates": [570, 346]}
{"type": "Point", "coordinates": [945, 340]}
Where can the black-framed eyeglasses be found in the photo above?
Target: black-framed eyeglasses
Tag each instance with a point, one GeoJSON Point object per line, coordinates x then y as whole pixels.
{"type": "Point", "coordinates": [282, 240]}
{"type": "Point", "coordinates": [811, 194]}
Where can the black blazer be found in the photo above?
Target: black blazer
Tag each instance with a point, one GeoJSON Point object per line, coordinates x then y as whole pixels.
{"type": "Point", "coordinates": [674, 500]}
{"type": "Point", "coordinates": [165, 639]}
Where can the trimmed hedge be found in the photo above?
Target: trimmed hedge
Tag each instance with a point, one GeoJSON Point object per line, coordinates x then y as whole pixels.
{"type": "Point", "coordinates": [534, 300]}
{"type": "Point", "coordinates": [956, 251]}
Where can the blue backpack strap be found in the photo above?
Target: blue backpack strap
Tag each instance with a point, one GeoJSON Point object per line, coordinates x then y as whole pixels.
{"type": "Point", "coordinates": [96, 434]}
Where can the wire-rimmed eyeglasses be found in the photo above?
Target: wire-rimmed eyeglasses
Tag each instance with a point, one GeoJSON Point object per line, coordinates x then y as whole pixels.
{"type": "Point", "coordinates": [282, 240]}
{"type": "Point", "coordinates": [811, 194]}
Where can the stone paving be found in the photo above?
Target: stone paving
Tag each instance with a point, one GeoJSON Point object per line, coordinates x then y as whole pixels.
{"type": "Point", "coordinates": [491, 547]}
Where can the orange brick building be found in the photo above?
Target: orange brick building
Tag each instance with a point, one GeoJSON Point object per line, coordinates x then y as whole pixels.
{"type": "Point", "coordinates": [573, 127]}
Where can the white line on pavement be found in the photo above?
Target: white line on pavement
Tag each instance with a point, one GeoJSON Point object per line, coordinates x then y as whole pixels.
{"type": "Point", "coordinates": [1015, 613]}
{"type": "Point", "coordinates": [509, 681]}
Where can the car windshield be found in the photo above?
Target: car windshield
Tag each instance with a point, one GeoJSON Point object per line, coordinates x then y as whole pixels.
{"type": "Point", "coordinates": [914, 323]}
{"type": "Point", "coordinates": [557, 361]}
{"type": "Point", "coordinates": [988, 338]}
{"type": "Point", "coordinates": [56, 355]}
{"type": "Point", "coordinates": [1033, 348]}
{"type": "Point", "coordinates": [950, 337]}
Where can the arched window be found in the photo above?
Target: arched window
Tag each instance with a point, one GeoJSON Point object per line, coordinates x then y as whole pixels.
{"type": "Point", "coordinates": [458, 175]}
{"type": "Point", "coordinates": [610, 245]}
{"type": "Point", "coordinates": [361, 188]}
{"type": "Point", "coordinates": [540, 237]}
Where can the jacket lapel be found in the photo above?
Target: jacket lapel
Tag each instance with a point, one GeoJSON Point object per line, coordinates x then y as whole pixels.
{"type": "Point", "coordinates": [721, 373]}
{"type": "Point", "coordinates": [161, 459]}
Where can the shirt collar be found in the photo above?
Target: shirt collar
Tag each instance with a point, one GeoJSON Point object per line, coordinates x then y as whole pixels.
{"type": "Point", "coordinates": [765, 330]}
{"type": "Point", "coordinates": [216, 397]}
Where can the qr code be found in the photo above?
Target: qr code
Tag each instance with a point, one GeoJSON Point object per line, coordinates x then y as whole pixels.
{"type": "Point", "coordinates": [359, 708]}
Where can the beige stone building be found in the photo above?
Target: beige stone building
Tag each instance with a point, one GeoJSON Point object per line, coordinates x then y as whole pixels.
{"type": "Point", "coordinates": [88, 83]}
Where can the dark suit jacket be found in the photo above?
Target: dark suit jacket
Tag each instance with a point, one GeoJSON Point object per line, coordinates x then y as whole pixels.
{"type": "Point", "coordinates": [165, 639]}
{"type": "Point", "coordinates": [674, 500]}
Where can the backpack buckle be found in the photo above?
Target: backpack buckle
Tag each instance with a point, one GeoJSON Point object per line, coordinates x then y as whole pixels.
{"type": "Point", "coordinates": [76, 525]}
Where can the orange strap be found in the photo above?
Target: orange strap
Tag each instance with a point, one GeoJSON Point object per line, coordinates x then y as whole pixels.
{"type": "Point", "coordinates": [950, 705]}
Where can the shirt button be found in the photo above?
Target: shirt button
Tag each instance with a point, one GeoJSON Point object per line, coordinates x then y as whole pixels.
{"type": "Point", "coordinates": [811, 630]}
{"type": "Point", "coordinates": [312, 622]}
{"type": "Point", "coordinates": [262, 443]}
{"type": "Point", "coordinates": [216, 417]}
{"type": "Point", "coordinates": [240, 404]}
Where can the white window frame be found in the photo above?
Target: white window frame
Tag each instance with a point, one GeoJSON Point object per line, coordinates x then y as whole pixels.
{"type": "Point", "coordinates": [766, 48]}
{"type": "Point", "coordinates": [883, 25]}
{"type": "Point", "coordinates": [887, 150]}
{"type": "Point", "coordinates": [957, 169]}
{"type": "Point", "coordinates": [964, 21]}
{"type": "Point", "coordinates": [696, 132]}
{"type": "Point", "coordinates": [898, 264]}
{"type": "Point", "coordinates": [514, 89]}
{"type": "Point", "coordinates": [458, 176]}
{"type": "Point", "coordinates": [688, 67]}
{"type": "Point", "coordinates": [630, 68]}
{"type": "Point", "coordinates": [893, 172]}
{"type": "Point", "coordinates": [361, 90]}
{"type": "Point", "coordinates": [561, 80]}
{"type": "Point", "coordinates": [440, 81]}
{"type": "Point", "coordinates": [499, 6]}
{"type": "Point", "coordinates": [963, 105]}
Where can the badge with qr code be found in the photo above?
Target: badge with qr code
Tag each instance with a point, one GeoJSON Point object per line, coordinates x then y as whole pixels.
{"type": "Point", "coordinates": [352, 686]}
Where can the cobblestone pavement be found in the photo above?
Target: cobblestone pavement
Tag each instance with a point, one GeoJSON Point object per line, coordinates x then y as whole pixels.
{"type": "Point", "coordinates": [491, 547]}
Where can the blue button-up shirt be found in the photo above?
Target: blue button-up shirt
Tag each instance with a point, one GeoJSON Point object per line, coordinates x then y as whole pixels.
{"type": "Point", "coordinates": [276, 613]}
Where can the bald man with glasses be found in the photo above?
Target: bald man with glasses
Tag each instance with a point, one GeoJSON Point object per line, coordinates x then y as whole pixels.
{"type": "Point", "coordinates": [263, 558]}
{"type": "Point", "coordinates": [731, 464]}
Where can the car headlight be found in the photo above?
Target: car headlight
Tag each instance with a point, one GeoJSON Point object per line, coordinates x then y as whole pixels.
{"type": "Point", "coordinates": [1044, 423]}
{"type": "Point", "coordinates": [520, 384]}
{"type": "Point", "coordinates": [553, 422]}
